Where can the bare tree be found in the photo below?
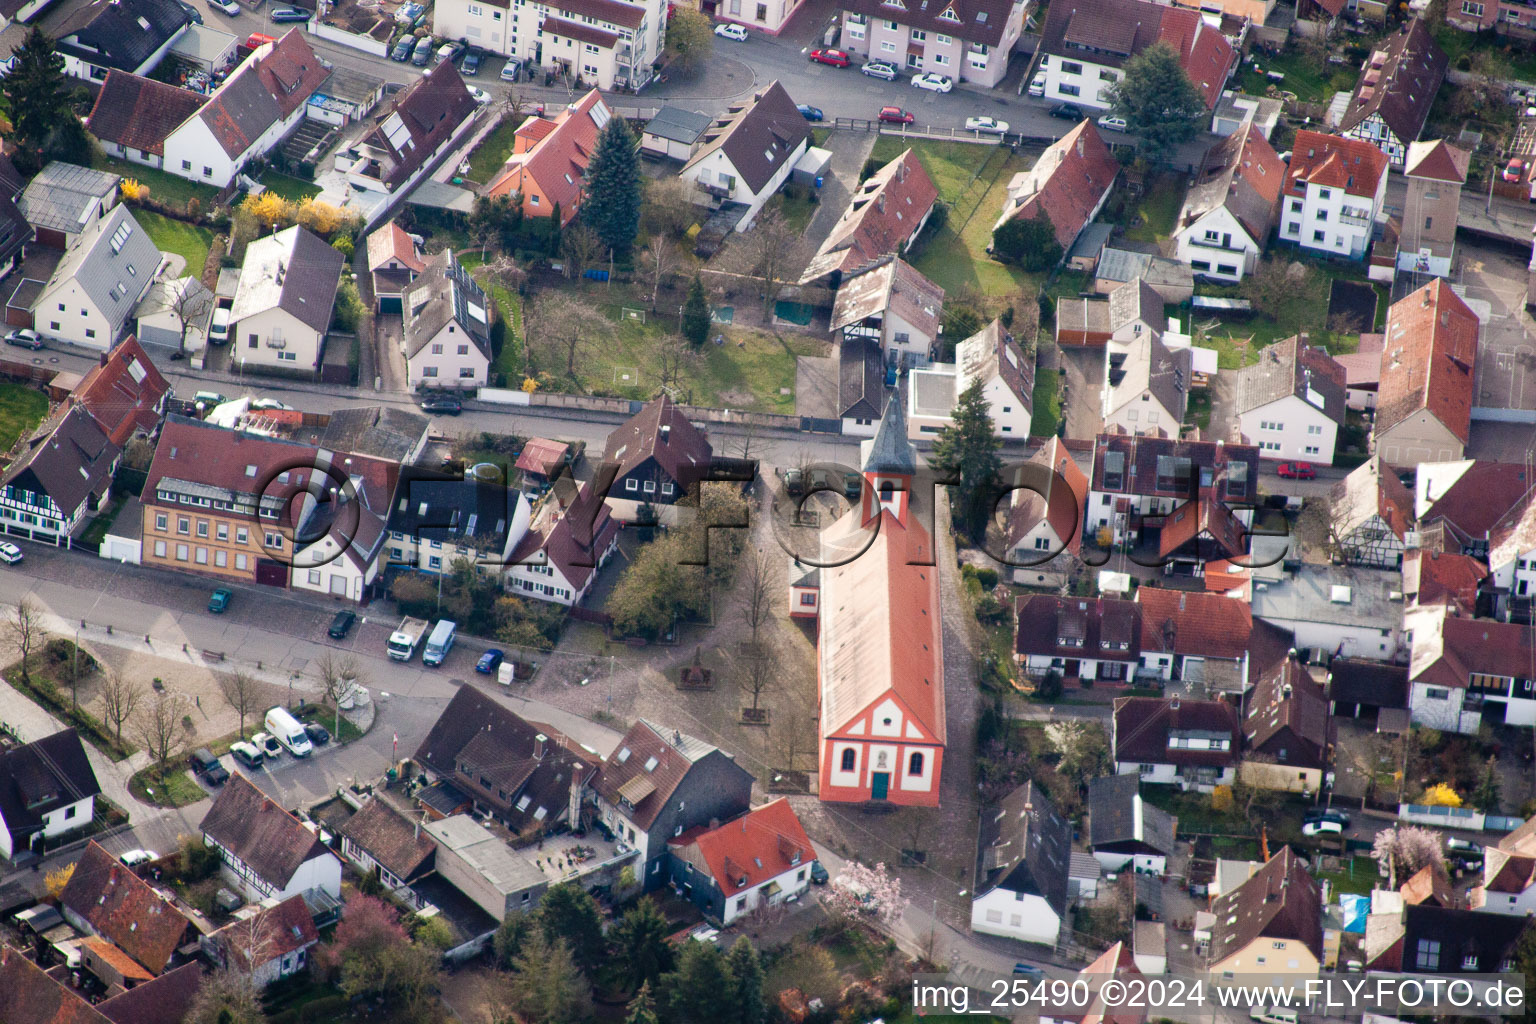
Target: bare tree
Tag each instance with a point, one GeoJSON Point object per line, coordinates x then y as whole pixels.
{"type": "Point", "coordinates": [26, 634]}
{"type": "Point", "coordinates": [660, 258]}
{"type": "Point", "coordinates": [189, 302]}
{"type": "Point", "coordinates": [559, 328]}
{"type": "Point", "coordinates": [771, 244]}
{"type": "Point", "coordinates": [242, 693]}
{"type": "Point", "coordinates": [158, 728]}
{"type": "Point", "coordinates": [1274, 284]}
{"type": "Point", "coordinates": [503, 270]}
{"type": "Point", "coordinates": [915, 821]}
{"type": "Point", "coordinates": [339, 675]}
{"type": "Point", "coordinates": [668, 207]}
{"type": "Point", "coordinates": [120, 698]}
{"type": "Point", "coordinates": [759, 671]}
{"type": "Point", "coordinates": [746, 444]}
{"type": "Point", "coordinates": [762, 579]}
{"type": "Point", "coordinates": [792, 734]}
{"type": "Point", "coordinates": [582, 248]}
{"type": "Point", "coordinates": [673, 356]}
{"type": "Point", "coordinates": [226, 997]}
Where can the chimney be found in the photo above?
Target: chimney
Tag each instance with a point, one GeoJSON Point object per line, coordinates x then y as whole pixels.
{"type": "Point", "coordinates": [103, 359]}
{"type": "Point", "coordinates": [677, 738]}
{"type": "Point", "coordinates": [538, 746]}
{"type": "Point", "coordinates": [714, 823]}
{"type": "Point", "coordinates": [664, 433]}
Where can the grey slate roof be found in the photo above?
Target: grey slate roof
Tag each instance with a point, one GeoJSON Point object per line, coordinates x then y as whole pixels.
{"type": "Point", "coordinates": [380, 431]}
{"type": "Point", "coordinates": [68, 459]}
{"type": "Point", "coordinates": [1025, 847]}
{"type": "Point", "coordinates": [1112, 817]}
{"type": "Point", "coordinates": [758, 137]}
{"type": "Point", "coordinates": [1225, 184]}
{"type": "Point", "coordinates": [678, 125]}
{"type": "Point", "coordinates": [1135, 300]}
{"type": "Point", "coordinates": [432, 506]}
{"type": "Point", "coordinates": [889, 451]}
{"type": "Point", "coordinates": [293, 269]}
{"type": "Point", "coordinates": [445, 292]}
{"type": "Point", "coordinates": [113, 269]}
{"type": "Point", "coordinates": [1292, 367]}
{"type": "Point", "coordinates": [240, 111]}
{"type": "Point", "coordinates": [39, 778]}
{"type": "Point", "coordinates": [120, 34]}
{"type": "Point", "coordinates": [58, 196]}
{"type": "Point", "coordinates": [860, 378]}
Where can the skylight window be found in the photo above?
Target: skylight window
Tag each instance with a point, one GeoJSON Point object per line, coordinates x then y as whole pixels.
{"type": "Point", "coordinates": [650, 764]}
{"type": "Point", "coordinates": [623, 755]}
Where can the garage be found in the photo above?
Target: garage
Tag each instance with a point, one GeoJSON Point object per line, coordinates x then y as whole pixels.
{"type": "Point", "coordinates": [270, 573]}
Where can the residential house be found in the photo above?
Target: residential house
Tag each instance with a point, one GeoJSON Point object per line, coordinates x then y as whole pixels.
{"type": "Point", "coordinates": [339, 544]}
{"type": "Point", "coordinates": [34, 997]}
{"type": "Point", "coordinates": [508, 767]}
{"type": "Point", "coordinates": [447, 327]}
{"type": "Point", "coordinates": [968, 40]}
{"type": "Point", "coordinates": [1464, 500]}
{"type": "Point", "coordinates": [419, 129]}
{"type": "Point", "coordinates": [1512, 558]}
{"type": "Point", "coordinates": [1045, 514]}
{"type": "Point", "coordinates": [1509, 875]}
{"type": "Point", "coordinates": [494, 877]}
{"type": "Point", "coordinates": [884, 217]}
{"type": "Point", "coordinates": [1424, 406]}
{"type": "Point", "coordinates": [1335, 189]}
{"type": "Point", "coordinates": [1289, 733]}
{"type": "Point", "coordinates": [283, 303]}
{"type": "Point", "coordinates": [621, 43]}
{"type": "Point", "coordinates": [1126, 832]}
{"type": "Point", "coordinates": [1208, 638]}
{"type": "Point", "coordinates": [1343, 610]}
{"type": "Point", "coordinates": [1363, 689]}
{"type": "Point", "coordinates": [559, 557]}
{"type": "Point", "coordinates": [62, 201]}
{"type": "Point", "coordinates": [264, 851]}
{"type": "Point", "coordinates": [47, 790]}
{"type": "Point", "coordinates": [548, 163]}
{"type": "Point", "coordinates": [991, 358]}
{"type": "Point", "coordinates": [1131, 310]}
{"type": "Point", "coordinates": [1270, 925]}
{"type": "Point", "coordinates": [1291, 402]}
{"type": "Point", "coordinates": [1506, 17]}
{"type": "Point", "coordinates": [103, 898]}
{"type": "Point", "coordinates": [1193, 744]}
{"type": "Point", "coordinates": [15, 231]}
{"type": "Point", "coordinates": [272, 944]}
{"type": "Point", "coordinates": [658, 784]}
{"type": "Point", "coordinates": [59, 478]}
{"type": "Point", "coordinates": [1434, 577]}
{"type": "Point", "coordinates": [133, 116]}
{"type": "Point", "coordinates": [1463, 672]}
{"type": "Point", "coordinates": [98, 283]}
{"type": "Point", "coordinates": [750, 152]}
{"type": "Point", "coordinates": [1396, 88]}
{"type": "Point", "coordinates": [1427, 939]}
{"type": "Point", "coordinates": [1436, 171]}
{"type": "Point", "coordinates": [1236, 110]}
{"type": "Point", "coordinates": [861, 384]}
{"type": "Point", "coordinates": [382, 841]}
{"type": "Point", "coordinates": [542, 462]}
{"type": "Point", "coordinates": [658, 456]}
{"type": "Point", "coordinates": [1224, 225]}
{"type": "Point", "coordinates": [674, 133]}
{"type": "Point", "coordinates": [118, 35]}
{"type": "Point", "coordinates": [1118, 964]}
{"type": "Point", "coordinates": [1201, 530]}
{"type": "Point", "coordinates": [226, 503]}
{"type": "Point", "coordinates": [890, 302]}
{"type": "Point", "coordinates": [1083, 639]}
{"type": "Point", "coordinates": [1137, 479]}
{"type": "Point", "coordinates": [1084, 47]}
{"type": "Point", "coordinates": [175, 313]}
{"type": "Point", "coordinates": [394, 261]}
{"type": "Point", "coordinates": [253, 110]}
{"type": "Point", "coordinates": [377, 431]}
{"type": "Point", "coordinates": [1022, 850]}
{"type": "Point", "coordinates": [1146, 386]}
{"type": "Point", "coordinates": [1068, 184]}
{"type": "Point", "coordinates": [1362, 372]}
{"type": "Point", "coordinates": [1316, 18]}
{"type": "Point", "coordinates": [881, 727]}
{"type": "Point", "coordinates": [439, 519]}
{"type": "Point", "coordinates": [1370, 517]}
{"type": "Point", "coordinates": [1172, 280]}
{"type": "Point", "coordinates": [761, 859]}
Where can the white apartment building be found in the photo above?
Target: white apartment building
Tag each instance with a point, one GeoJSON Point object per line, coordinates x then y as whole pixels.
{"type": "Point", "coordinates": [1334, 191]}
{"type": "Point", "coordinates": [609, 43]}
{"type": "Point", "coordinates": [1291, 402]}
{"type": "Point", "coordinates": [968, 40]}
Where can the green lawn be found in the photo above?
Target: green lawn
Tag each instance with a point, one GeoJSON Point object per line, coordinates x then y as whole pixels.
{"type": "Point", "coordinates": [21, 409]}
{"type": "Point", "coordinates": [97, 530]}
{"type": "Point", "coordinates": [1159, 209]}
{"type": "Point", "coordinates": [186, 240]}
{"type": "Point", "coordinates": [1310, 83]}
{"type": "Point", "coordinates": [162, 186]}
{"type": "Point", "coordinates": [173, 789]}
{"type": "Point", "coordinates": [1199, 411]}
{"type": "Point", "coordinates": [509, 360]}
{"type": "Point", "coordinates": [1047, 415]}
{"type": "Point", "coordinates": [1237, 341]}
{"type": "Point", "coordinates": [1359, 876]}
{"type": "Point", "coordinates": [492, 152]}
{"type": "Point", "coordinates": [295, 190]}
{"type": "Point", "coordinates": [1511, 57]}
{"type": "Point", "coordinates": [795, 206]}
{"type": "Point", "coordinates": [345, 732]}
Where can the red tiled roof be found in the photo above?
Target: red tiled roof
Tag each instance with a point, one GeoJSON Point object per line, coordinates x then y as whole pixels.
{"type": "Point", "coordinates": [1473, 505]}
{"type": "Point", "coordinates": [881, 215]}
{"type": "Point", "coordinates": [1142, 726]}
{"type": "Point", "coordinates": [123, 392]}
{"type": "Point", "coordinates": [32, 997]}
{"type": "Point", "coordinates": [232, 461]}
{"type": "Point", "coordinates": [553, 154]}
{"type": "Point", "coordinates": [166, 998]}
{"type": "Point", "coordinates": [272, 842]}
{"type": "Point", "coordinates": [1062, 506]}
{"type": "Point", "coordinates": [116, 959]}
{"type": "Point", "coordinates": [1448, 648]}
{"type": "Point", "coordinates": [292, 71]}
{"type": "Point", "coordinates": [140, 112]}
{"type": "Point", "coordinates": [1398, 82]}
{"type": "Point", "coordinates": [1110, 627]}
{"type": "Point", "coordinates": [1286, 705]}
{"type": "Point", "coordinates": [1205, 516]}
{"type": "Point", "coordinates": [557, 535]}
{"type": "Point", "coordinates": [1192, 623]}
{"type": "Point", "coordinates": [273, 933]}
{"type": "Point", "coordinates": [1443, 579]}
{"type": "Point", "coordinates": [1334, 162]}
{"type": "Point", "coordinates": [391, 242]}
{"type": "Point", "coordinates": [761, 844]}
{"type": "Point", "coordinates": [542, 456]}
{"type": "Point", "coordinates": [1067, 182]}
{"type": "Point", "coordinates": [124, 908]}
{"type": "Point", "coordinates": [684, 455]}
{"type": "Point", "coordinates": [1204, 53]}
{"type": "Point", "coordinates": [1437, 159]}
{"type": "Point", "coordinates": [1281, 900]}
{"type": "Point", "coordinates": [581, 33]}
{"type": "Point", "coordinates": [1431, 350]}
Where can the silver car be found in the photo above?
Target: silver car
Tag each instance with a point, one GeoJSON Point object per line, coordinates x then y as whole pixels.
{"type": "Point", "coordinates": [881, 69]}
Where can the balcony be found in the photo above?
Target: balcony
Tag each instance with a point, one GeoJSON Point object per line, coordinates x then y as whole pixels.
{"type": "Point", "coordinates": [717, 191]}
{"type": "Point", "coordinates": [1205, 243]}
{"type": "Point", "coordinates": [1357, 218]}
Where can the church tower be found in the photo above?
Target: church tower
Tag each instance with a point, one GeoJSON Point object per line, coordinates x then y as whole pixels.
{"type": "Point", "coordinates": [889, 464]}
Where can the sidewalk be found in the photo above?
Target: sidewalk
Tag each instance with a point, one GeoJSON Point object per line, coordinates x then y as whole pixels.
{"type": "Point", "coordinates": [32, 723]}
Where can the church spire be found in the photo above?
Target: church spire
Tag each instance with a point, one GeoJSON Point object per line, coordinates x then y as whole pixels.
{"type": "Point", "coordinates": [889, 452]}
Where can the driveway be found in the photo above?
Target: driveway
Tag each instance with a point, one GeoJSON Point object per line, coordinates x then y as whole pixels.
{"type": "Point", "coordinates": [1082, 378]}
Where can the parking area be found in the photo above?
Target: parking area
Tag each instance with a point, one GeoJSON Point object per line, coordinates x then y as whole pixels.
{"type": "Point", "coordinates": [1082, 379]}
{"type": "Point", "coordinates": [1493, 282]}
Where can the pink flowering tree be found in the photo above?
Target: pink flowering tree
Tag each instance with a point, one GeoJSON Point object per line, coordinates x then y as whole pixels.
{"type": "Point", "coordinates": [872, 892]}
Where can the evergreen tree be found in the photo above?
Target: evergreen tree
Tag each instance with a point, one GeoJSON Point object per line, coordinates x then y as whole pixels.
{"type": "Point", "coordinates": [700, 986]}
{"type": "Point", "coordinates": [548, 987]}
{"type": "Point", "coordinates": [967, 448]}
{"type": "Point", "coordinates": [1028, 241]}
{"type": "Point", "coordinates": [642, 1008]}
{"type": "Point", "coordinates": [1158, 101]}
{"type": "Point", "coordinates": [612, 204]}
{"type": "Point", "coordinates": [510, 937]}
{"type": "Point", "coordinates": [695, 325]}
{"type": "Point", "coordinates": [641, 952]}
{"type": "Point", "coordinates": [570, 913]}
{"type": "Point", "coordinates": [751, 1008]}
{"type": "Point", "coordinates": [38, 98]}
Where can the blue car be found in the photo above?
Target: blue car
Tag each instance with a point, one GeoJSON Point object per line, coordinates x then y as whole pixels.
{"type": "Point", "coordinates": [489, 662]}
{"type": "Point", "coordinates": [809, 112]}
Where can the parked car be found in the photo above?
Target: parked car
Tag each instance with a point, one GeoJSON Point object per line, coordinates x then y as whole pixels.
{"type": "Point", "coordinates": [409, 13]}
{"type": "Point", "coordinates": [1296, 471]}
{"type": "Point", "coordinates": [1462, 845]}
{"type": "Point", "coordinates": [735, 33]}
{"type": "Point", "coordinates": [402, 50]}
{"type": "Point", "coordinates": [1067, 111]}
{"type": "Point", "coordinates": [1037, 84]}
{"type": "Point", "coordinates": [449, 51]}
{"type": "Point", "coordinates": [471, 65]}
{"type": "Point", "coordinates": [422, 52]}
{"type": "Point", "coordinates": [1029, 970]}
{"type": "Point", "coordinates": [480, 95]}
{"type": "Point", "coordinates": [510, 70]}
{"type": "Point", "coordinates": [267, 744]}
{"type": "Point", "coordinates": [986, 125]}
{"type": "Point", "coordinates": [25, 338]}
{"type": "Point", "coordinates": [10, 554]}
{"type": "Point", "coordinates": [933, 82]}
{"type": "Point", "coordinates": [819, 875]}
{"type": "Point", "coordinates": [835, 58]}
{"type": "Point", "coordinates": [881, 69]}
{"type": "Point", "coordinates": [193, 13]}
{"type": "Point", "coordinates": [246, 754]}
{"type": "Point", "coordinates": [318, 734]}
{"type": "Point", "coordinates": [268, 404]}
{"type": "Point", "coordinates": [290, 14]}
{"type": "Point", "coordinates": [446, 404]}
{"type": "Point", "coordinates": [205, 764]}
{"type": "Point", "coordinates": [1513, 170]}
{"type": "Point", "coordinates": [1330, 814]}
{"type": "Point", "coordinates": [208, 399]}
{"type": "Point", "coordinates": [219, 601]}
{"type": "Point", "coordinates": [133, 858]}
{"type": "Point", "coordinates": [809, 112]}
{"type": "Point", "coordinates": [489, 662]}
{"type": "Point", "coordinates": [1321, 828]}
{"type": "Point", "coordinates": [853, 486]}
{"type": "Point", "coordinates": [895, 115]}
{"type": "Point", "coordinates": [1113, 124]}
{"type": "Point", "coordinates": [229, 7]}
{"type": "Point", "coordinates": [342, 624]}
{"type": "Point", "coordinates": [218, 330]}
{"type": "Point", "coordinates": [794, 483]}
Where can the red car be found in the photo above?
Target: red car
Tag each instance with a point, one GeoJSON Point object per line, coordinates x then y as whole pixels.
{"type": "Point", "coordinates": [836, 58]}
{"type": "Point", "coordinates": [1297, 471]}
{"type": "Point", "coordinates": [895, 115]}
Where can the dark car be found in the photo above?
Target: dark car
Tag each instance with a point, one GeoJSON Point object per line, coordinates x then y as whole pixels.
{"type": "Point", "coordinates": [341, 625]}
{"type": "Point", "coordinates": [471, 65]}
{"type": "Point", "coordinates": [448, 405]}
{"type": "Point", "coordinates": [205, 764]}
{"type": "Point", "coordinates": [290, 14]}
{"type": "Point", "coordinates": [794, 483]}
{"type": "Point", "coordinates": [1028, 969]}
{"type": "Point", "coordinates": [1296, 471]}
{"type": "Point", "coordinates": [193, 13]}
{"type": "Point", "coordinates": [317, 733]}
{"type": "Point", "coordinates": [1067, 111]}
{"type": "Point", "coordinates": [819, 874]}
{"type": "Point", "coordinates": [809, 112]}
{"type": "Point", "coordinates": [402, 50]}
{"type": "Point", "coordinates": [895, 115]}
{"type": "Point", "coordinates": [489, 662]}
{"type": "Point", "coordinates": [853, 486]}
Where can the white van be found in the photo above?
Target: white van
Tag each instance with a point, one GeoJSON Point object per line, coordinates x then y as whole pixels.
{"type": "Point", "coordinates": [1272, 1015]}
{"type": "Point", "coordinates": [439, 643]}
{"type": "Point", "coordinates": [288, 732]}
